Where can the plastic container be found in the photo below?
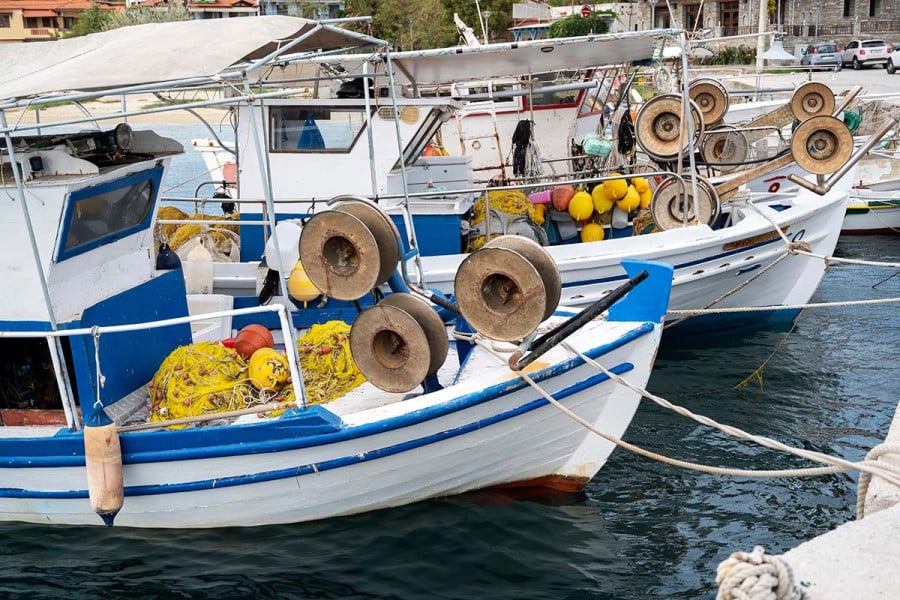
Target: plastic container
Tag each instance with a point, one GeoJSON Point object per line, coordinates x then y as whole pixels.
{"type": "Point", "coordinates": [198, 270]}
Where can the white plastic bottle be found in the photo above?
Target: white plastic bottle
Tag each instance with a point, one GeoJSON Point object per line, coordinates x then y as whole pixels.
{"type": "Point", "coordinates": [198, 270]}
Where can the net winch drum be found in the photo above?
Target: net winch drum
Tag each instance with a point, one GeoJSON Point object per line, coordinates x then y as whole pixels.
{"type": "Point", "coordinates": [821, 145]}
{"type": "Point", "coordinates": [507, 288]}
{"type": "Point", "coordinates": [812, 99]}
{"type": "Point", "coordinates": [725, 148]}
{"type": "Point", "coordinates": [658, 127]}
{"type": "Point", "coordinates": [349, 250]}
{"type": "Point", "coordinates": [670, 209]}
{"type": "Point", "coordinates": [398, 342]}
{"type": "Point", "coordinates": [711, 98]}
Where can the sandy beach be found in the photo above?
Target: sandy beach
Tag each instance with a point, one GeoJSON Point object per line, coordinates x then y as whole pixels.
{"type": "Point", "coordinates": [112, 105]}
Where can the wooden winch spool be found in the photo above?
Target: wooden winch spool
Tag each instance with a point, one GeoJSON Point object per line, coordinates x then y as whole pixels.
{"type": "Point", "coordinates": [507, 288]}
{"type": "Point", "coordinates": [812, 99]}
{"type": "Point", "coordinates": [398, 342]}
{"type": "Point", "coordinates": [350, 249]}
{"type": "Point", "coordinates": [711, 98]}
{"type": "Point", "coordinates": [658, 128]}
{"type": "Point", "coordinates": [725, 148]}
{"type": "Point", "coordinates": [822, 145]}
{"type": "Point", "coordinates": [671, 209]}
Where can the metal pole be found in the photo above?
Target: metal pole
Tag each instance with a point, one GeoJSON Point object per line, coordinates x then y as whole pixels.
{"type": "Point", "coordinates": [761, 40]}
{"type": "Point", "coordinates": [369, 134]}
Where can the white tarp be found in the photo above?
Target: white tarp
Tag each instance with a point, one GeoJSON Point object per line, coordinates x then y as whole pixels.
{"type": "Point", "coordinates": [156, 52]}
{"type": "Point", "coordinates": [513, 59]}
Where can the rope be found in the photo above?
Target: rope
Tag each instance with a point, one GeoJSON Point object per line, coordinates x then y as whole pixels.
{"type": "Point", "coordinates": [710, 311]}
{"type": "Point", "coordinates": [806, 472]}
{"type": "Point", "coordinates": [804, 249]}
{"type": "Point", "coordinates": [889, 472]}
{"type": "Point", "coordinates": [865, 478]}
{"type": "Point", "coordinates": [756, 576]}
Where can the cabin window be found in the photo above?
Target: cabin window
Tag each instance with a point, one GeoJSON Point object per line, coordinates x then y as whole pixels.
{"type": "Point", "coordinates": [302, 129]}
{"type": "Point", "coordinates": [104, 213]}
{"type": "Point", "coordinates": [4, 19]}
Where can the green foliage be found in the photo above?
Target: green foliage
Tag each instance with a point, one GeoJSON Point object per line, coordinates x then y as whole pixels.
{"type": "Point", "coordinates": [741, 55]}
{"type": "Point", "coordinates": [575, 24]}
{"type": "Point", "coordinates": [138, 15]}
{"type": "Point", "coordinates": [772, 7]}
{"type": "Point", "coordinates": [91, 20]}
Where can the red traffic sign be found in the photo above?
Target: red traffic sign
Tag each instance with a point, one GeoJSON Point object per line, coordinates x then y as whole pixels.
{"type": "Point", "coordinates": [586, 11]}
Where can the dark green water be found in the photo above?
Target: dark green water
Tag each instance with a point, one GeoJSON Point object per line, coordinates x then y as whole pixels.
{"type": "Point", "coordinates": [639, 530]}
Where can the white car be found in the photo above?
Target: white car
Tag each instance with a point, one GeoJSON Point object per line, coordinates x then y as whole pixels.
{"type": "Point", "coordinates": [861, 53]}
{"type": "Point", "coordinates": [893, 63]}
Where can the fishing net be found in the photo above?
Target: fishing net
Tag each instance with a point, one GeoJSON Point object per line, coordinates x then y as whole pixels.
{"type": "Point", "coordinates": [511, 213]}
{"type": "Point", "coordinates": [328, 368]}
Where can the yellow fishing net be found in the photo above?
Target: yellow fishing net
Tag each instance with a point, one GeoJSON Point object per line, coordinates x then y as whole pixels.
{"type": "Point", "coordinates": [510, 202]}
{"type": "Point", "coordinates": [328, 368]}
{"type": "Point", "coordinates": [197, 379]}
{"type": "Point", "coordinates": [207, 377]}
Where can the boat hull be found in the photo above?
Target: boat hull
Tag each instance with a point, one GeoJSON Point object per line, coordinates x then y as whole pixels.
{"type": "Point", "coordinates": [488, 429]}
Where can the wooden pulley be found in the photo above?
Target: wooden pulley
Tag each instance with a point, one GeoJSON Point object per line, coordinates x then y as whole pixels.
{"type": "Point", "coordinates": [658, 127]}
{"type": "Point", "coordinates": [350, 249]}
{"type": "Point", "coordinates": [725, 148]}
{"type": "Point", "coordinates": [340, 255]}
{"type": "Point", "coordinates": [670, 209]}
{"type": "Point", "coordinates": [812, 99]}
{"type": "Point", "coordinates": [821, 145]}
{"type": "Point", "coordinates": [387, 237]}
{"type": "Point", "coordinates": [711, 98]}
{"type": "Point", "coordinates": [541, 260]}
{"type": "Point", "coordinates": [501, 293]}
{"type": "Point", "coordinates": [393, 349]}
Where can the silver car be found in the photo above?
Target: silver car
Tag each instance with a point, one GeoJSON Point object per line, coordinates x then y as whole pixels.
{"type": "Point", "coordinates": [822, 55]}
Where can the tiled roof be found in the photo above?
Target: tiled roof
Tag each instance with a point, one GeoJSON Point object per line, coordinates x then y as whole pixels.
{"type": "Point", "coordinates": [220, 4]}
{"type": "Point", "coordinates": [7, 5]}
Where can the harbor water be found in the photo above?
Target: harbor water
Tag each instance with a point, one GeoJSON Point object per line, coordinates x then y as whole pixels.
{"type": "Point", "coordinates": [640, 529]}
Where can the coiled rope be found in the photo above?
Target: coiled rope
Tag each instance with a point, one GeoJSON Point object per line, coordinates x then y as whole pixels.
{"type": "Point", "coordinates": [756, 576]}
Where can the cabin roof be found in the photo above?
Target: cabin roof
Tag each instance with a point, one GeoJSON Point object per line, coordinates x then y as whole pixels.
{"type": "Point", "coordinates": [160, 53]}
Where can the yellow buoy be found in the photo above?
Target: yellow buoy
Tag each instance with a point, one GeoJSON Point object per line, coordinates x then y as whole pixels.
{"type": "Point", "coordinates": [640, 184]}
{"type": "Point", "coordinates": [615, 188]}
{"type": "Point", "coordinates": [268, 369]}
{"type": "Point", "coordinates": [539, 213]}
{"type": "Point", "coordinates": [592, 232]}
{"type": "Point", "coordinates": [602, 203]}
{"type": "Point", "coordinates": [630, 201]}
{"type": "Point", "coordinates": [300, 287]}
{"type": "Point", "coordinates": [646, 197]}
{"type": "Point", "coordinates": [581, 206]}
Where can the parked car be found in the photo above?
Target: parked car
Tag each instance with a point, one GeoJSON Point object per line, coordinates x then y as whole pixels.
{"type": "Point", "coordinates": [860, 53]}
{"type": "Point", "coordinates": [822, 55]}
{"type": "Point", "coordinates": [893, 63]}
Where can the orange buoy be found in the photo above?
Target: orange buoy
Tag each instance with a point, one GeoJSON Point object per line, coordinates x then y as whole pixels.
{"type": "Point", "coordinates": [251, 338]}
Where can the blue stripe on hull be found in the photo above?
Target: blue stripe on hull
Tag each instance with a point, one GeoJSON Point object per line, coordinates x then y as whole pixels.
{"type": "Point", "coordinates": [288, 433]}
{"type": "Point", "coordinates": [335, 463]}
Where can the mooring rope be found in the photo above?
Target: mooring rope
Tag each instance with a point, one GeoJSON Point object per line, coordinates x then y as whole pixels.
{"type": "Point", "coordinates": [839, 465]}
{"type": "Point", "coordinates": [756, 576]}
{"type": "Point", "coordinates": [865, 478]}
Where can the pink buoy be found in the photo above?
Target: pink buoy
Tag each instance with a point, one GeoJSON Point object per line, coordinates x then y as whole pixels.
{"type": "Point", "coordinates": [540, 197]}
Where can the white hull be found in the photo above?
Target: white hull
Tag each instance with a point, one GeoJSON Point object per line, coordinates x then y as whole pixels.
{"type": "Point", "coordinates": [474, 434]}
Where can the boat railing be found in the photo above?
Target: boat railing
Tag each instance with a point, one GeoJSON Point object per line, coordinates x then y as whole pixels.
{"type": "Point", "coordinates": [97, 331]}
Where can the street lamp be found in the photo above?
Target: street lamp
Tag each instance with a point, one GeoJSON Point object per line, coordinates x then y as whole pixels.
{"type": "Point", "coordinates": [487, 28]}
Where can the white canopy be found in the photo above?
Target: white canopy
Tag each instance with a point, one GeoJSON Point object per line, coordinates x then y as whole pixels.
{"type": "Point", "coordinates": [157, 52]}
{"type": "Point", "coordinates": [512, 59]}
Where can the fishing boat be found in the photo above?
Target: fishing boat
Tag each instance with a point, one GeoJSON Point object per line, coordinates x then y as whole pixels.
{"type": "Point", "coordinates": [730, 247]}
{"type": "Point", "coordinates": [92, 322]}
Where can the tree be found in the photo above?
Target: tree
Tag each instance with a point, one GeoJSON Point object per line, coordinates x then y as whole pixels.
{"type": "Point", "coordinates": [91, 20]}
{"type": "Point", "coordinates": [406, 24]}
{"type": "Point", "coordinates": [577, 25]}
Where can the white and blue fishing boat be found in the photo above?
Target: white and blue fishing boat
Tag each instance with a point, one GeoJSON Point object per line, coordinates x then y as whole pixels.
{"type": "Point", "coordinates": [87, 319]}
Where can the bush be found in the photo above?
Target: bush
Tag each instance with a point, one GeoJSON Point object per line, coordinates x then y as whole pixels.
{"type": "Point", "coordinates": [575, 24]}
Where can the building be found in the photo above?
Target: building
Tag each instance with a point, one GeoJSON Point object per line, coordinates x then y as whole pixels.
{"type": "Point", "coordinates": [214, 9]}
{"type": "Point", "coordinates": [41, 20]}
{"type": "Point", "coordinates": [311, 9]}
{"type": "Point", "coordinates": [800, 21]}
